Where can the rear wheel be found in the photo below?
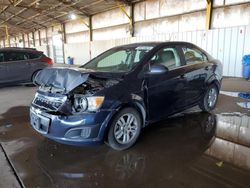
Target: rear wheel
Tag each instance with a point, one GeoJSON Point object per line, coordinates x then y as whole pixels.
{"type": "Point", "coordinates": [210, 98]}
{"type": "Point", "coordinates": [125, 129]}
{"type": "Point", "coordinates": [34, 75]}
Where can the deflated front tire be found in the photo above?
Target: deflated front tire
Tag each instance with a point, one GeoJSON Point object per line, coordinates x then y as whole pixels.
{"type": "Point", "coordinates": [125, 129]}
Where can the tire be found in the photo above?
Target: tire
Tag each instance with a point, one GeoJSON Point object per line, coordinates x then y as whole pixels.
{"type": "Point", "coordinates": [209, 101]}
{"type": "Point", "coordinates": [122, 134]}
{"type": "Point", "coordinates": [34, 75]}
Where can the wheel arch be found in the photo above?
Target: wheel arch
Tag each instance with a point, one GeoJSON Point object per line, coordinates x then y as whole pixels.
{"type": "Point", "coordinates": [34, 73]}
{"type": "Point", "coordinates": [213, 80]}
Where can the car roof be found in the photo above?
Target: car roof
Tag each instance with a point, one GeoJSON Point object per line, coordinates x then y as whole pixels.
{"type": "Point", "coordinates": [155, 44]}
{"type": "Point", "coordinates": [12, 49]}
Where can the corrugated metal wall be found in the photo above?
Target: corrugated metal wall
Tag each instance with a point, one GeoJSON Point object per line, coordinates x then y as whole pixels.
{"type": "Point", "coordinates": [226, 44]}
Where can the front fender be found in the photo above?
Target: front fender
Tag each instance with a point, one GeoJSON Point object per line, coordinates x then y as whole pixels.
{"type": "Point", "coordinates": [137, 102]}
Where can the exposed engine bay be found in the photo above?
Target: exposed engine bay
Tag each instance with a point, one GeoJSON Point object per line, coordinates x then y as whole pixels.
{"type": "Point", "coordinates": [68, 91]}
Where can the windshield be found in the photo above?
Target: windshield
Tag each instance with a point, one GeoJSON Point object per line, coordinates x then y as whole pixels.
{"type": "Point", "coordinates": [118, 60]}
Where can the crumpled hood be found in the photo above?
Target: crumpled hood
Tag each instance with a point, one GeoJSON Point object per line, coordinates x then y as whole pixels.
{"type": "Point", "coordinates": [60, 78]}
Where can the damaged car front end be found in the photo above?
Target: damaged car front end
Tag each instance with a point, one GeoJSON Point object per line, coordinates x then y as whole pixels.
{"type": "Point", "coordinates": [69, 106]}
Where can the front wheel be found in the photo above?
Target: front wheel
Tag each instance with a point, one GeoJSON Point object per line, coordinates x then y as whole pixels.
{"type": "Point", "coordinates": [125, 129]}
{"type": "Point", "coordinates": [210, 98]}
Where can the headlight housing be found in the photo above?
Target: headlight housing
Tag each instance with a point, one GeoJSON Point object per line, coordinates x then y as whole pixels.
{"type": "Point", "coordinates": [82, 103]}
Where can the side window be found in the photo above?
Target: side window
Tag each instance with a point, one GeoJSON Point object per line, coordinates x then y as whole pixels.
{"type": "Point", "coordinates": [194, 56]}
{"type": "Point", "coordinates": [1, 57]}
{"type": "Point", "coordinates": [15, 56]}
{"type": "Point", "coordinates": [168, 57]}
{"type": "Point", "coordinates": [120, 57]}
{"type": "Point", "coordinates": [33, 55]}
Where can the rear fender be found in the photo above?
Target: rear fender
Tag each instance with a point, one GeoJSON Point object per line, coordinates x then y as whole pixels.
{"type": "Point", "coordinates": [214, 79]}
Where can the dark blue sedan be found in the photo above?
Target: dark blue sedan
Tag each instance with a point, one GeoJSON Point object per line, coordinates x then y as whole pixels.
{"type": "Point", "coordinates": [112, 97]}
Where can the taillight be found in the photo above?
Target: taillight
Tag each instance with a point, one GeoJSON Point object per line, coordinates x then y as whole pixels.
{"type": "Point", "coordinates": [47, 60]}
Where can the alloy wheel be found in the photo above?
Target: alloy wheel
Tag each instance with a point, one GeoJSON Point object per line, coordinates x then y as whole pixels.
{"type": "Point", "coordinates": [126, 128]}
{"type": "Point", "coordinates": [212, 97]}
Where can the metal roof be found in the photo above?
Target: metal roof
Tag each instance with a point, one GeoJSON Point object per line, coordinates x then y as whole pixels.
{"type": "Point", "coordinates": [23, 16]}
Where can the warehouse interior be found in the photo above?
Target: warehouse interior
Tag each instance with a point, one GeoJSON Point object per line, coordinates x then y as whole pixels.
{"type": "Point", "coordinates": [174, 153]}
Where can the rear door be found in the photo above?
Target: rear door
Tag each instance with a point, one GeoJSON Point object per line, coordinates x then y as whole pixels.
{"type": "Point", "coordinates": [18, 68]}
{"type": "Point", "coordinates": [35, 61]}
{"type": "Point", "coordinates": [197, 71]}
{"type": "Point", "coordinates": [166, 91]}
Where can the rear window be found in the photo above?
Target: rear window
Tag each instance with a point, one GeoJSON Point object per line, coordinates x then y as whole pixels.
{"type": "Point", "coordinates": [193, 56]}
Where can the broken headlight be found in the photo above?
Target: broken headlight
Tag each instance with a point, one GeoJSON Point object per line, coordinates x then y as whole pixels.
{"type": "Point", "coordinates": [82, 103]}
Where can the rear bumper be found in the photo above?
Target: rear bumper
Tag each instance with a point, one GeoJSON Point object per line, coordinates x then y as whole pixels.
{"type": "Point", "coordinates": [82, 129]}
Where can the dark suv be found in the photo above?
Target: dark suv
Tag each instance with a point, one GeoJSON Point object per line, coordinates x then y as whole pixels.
{"type": "Point", "coordinates": [115, 95]}
{"type": "Point", "coordinates": [19, 65]}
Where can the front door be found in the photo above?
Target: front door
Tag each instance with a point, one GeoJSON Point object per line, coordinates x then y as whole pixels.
{"type": "Point", "coordinates": [167, 90]}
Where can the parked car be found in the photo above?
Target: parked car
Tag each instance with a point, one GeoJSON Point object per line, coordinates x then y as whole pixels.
{"type": "Point", "coordinates": [115, 95]}
{"type": "Point", "coordinates": [19, 65]}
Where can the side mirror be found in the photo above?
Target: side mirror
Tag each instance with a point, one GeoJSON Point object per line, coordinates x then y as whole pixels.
{"type": "Point", "coordinates": [157, 69]}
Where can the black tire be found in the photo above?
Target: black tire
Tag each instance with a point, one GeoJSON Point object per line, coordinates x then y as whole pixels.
{"type": "Point", "coordinates": [34, 75]}
{"type": "Point", "coordinates": [204, 103]}
{"type": "Point", "coordinates": [115, 143]}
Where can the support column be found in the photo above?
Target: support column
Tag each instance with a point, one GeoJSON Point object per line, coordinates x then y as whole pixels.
{"type": "Point", "coordinates": [34, 41]}
{"type": "Point", "coordinates": [64, 33]}
{"type": "Point", "coordinates": [28, 39]}
{"type": "Point", "coordinates": [23, 40]}
{"type": "Point", "coordinates": [47, 42]}
{"type": "Point", "coordinates": [15, 41]}
{"type": "Point", "coordinates": [90, 29]}
{"type": "Point", "coordinates": [7, 35]}
{"type": "Point", "coordinates": [46, 36]}
{"type": "Point", "coordinates": [132, 15]}
{"type": "Point", "coordinates": [39, 38]}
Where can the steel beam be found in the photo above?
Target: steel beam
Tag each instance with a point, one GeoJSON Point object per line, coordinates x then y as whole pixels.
{"type": "Point", "coordinates": [130, 17]}
{"type": "Point", "coordinates": [209, 12]}
{"type": "Point", "coordinates": [18, 16]}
